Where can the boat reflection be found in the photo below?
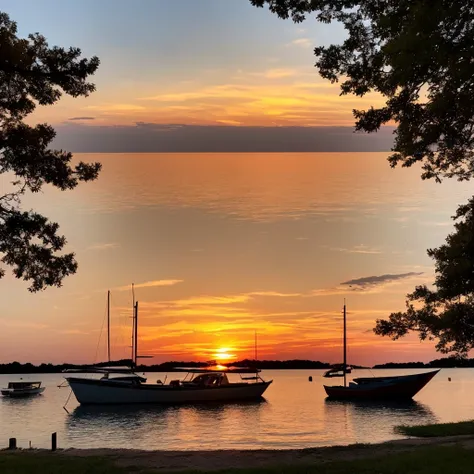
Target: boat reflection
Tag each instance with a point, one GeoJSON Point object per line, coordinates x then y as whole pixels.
{"type": "Point", "coordinates": [409, 411]}
{"type": "Point", "coordinates": [128, 416]}
{"type": "Point", "coordinates": [388, 407]}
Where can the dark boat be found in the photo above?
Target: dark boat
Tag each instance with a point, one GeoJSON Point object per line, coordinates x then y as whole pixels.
{"type": "Point", "coordinates": [402, 387]}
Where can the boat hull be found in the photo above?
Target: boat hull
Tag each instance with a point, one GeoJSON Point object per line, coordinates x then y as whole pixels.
{"type": "Point", "coordinates": [403, 387]}
{"type": "Point", "coordinates": [100, 392]}
{"type": "Point", "coordinates": [6, 392]}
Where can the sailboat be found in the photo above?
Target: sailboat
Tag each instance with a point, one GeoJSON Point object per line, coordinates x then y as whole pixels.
{"type": "Point", "coordinates": [402, 387]}
{"type": "Point", "coordinates": [124, 386]}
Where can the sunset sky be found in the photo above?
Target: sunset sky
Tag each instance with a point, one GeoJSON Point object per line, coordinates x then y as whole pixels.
{"type": "Point", "coordinates": [190, 62]}
{"type": "Point", "coordinates": [220, 245]}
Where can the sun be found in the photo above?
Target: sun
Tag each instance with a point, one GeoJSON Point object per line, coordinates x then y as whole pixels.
{"type": "Point", "coordinates": [223, 354]}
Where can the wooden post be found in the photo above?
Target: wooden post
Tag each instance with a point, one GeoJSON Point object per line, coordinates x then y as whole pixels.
{"type": "Point", "coordinates": [12, 443]}
{"type": "Point", "coordinates": [53, 442]}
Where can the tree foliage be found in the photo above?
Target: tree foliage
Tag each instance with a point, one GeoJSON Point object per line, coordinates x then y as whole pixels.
{"type": "Point", "coordinates": [31, 74]}
{"type": "Point", "coordinates": [445, 313]}
{"type": "Point", "coordinates": [418, 55]}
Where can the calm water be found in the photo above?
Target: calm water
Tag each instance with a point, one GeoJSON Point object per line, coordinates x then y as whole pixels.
{"type": "Point", "coordinates": [294, 414]}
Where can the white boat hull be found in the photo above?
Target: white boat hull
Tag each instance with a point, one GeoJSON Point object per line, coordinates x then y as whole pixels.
{"type": "Point", "coordinates": [8, 392]}
{"type": "Point", "coordinates": [90, 391]}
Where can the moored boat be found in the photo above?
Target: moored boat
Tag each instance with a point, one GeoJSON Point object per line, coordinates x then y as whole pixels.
{"type": "Point", "coordinates": [203, 385]}
{"type": "Point", "coordinates": [124, 386]}
{"type": "Point", "coordinates": [401, 387]}
{"type": "Point", "coordinates": [22, 389]}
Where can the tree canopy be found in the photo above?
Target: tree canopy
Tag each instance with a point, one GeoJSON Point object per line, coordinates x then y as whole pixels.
{"type": "Point", "coordinates": [447, 312]}
{"type": "Point", "coordinates": [418, 55]}
{"type": "Point", "coordinates": [31, 74]}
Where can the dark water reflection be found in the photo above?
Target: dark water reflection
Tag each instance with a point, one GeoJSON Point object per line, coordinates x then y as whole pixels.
{"type": "Point", "coordinates": [144, 423]}
{"type": "Point", "coordinates": [360, 419]}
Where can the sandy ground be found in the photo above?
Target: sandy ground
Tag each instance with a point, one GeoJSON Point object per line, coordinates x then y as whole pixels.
{"type": "Point", "coordinates": [227, 459]}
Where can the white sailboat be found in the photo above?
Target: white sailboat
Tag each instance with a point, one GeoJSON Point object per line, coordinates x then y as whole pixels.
{"type": "Point", "coordinates": [124, 386]}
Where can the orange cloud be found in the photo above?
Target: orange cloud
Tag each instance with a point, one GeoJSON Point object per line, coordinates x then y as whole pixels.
{"type": "Point", "coordinates": [149, 284]}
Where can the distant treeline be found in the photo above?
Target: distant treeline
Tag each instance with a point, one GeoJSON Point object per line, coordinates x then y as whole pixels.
{"type": "Point", "coordinates": [18, 368]}
{"type": "Point", "coordinates": [447, 362]}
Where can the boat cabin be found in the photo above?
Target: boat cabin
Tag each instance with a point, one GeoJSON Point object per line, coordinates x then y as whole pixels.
{"type": "Point", "coordinates": [211, 380]}
{"type": "Point", "coordinates": [24, 385]}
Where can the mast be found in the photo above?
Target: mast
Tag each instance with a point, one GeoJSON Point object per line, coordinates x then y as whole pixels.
{"type": "Point", "coordinates": [135, 332]}
{"type": "Point", "coordinates": [255, 347]}
{"type": "Point", "coordinates": [256, 370]}
{"type": "Point", "coordinates": [108, 325]}
{"type": "Point", "coordinates": [133, 319]}
{"type": "Point", "coordinates": [345, 344]}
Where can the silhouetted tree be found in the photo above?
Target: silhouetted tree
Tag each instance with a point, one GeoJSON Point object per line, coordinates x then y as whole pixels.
{"type": "Point", "coordinates": [32, 73]}
{"type": "Point", "coordinates": [446, 313]}
{"type": "Point", "coordinates": [418, 55]}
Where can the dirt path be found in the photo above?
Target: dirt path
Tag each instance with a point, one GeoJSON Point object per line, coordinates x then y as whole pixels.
{"type": "Point", "coordinates": [225, 459]}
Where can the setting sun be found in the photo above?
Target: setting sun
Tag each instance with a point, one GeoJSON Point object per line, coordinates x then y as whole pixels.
{"type": "Point", "coordinates": [223, 354]}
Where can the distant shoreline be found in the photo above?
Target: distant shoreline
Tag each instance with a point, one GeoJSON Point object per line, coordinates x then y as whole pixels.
{"type": "Point", "coordinates": [296, 364]}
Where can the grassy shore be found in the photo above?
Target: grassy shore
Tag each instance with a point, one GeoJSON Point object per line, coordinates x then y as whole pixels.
{"type": "Point", "coordinates": [431, 457]}
{"type": "Point", "coordinates": [439, 429]}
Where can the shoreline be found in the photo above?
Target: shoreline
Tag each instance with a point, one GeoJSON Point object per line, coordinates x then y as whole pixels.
{"type": "Point", "coordinates": [207, 460]}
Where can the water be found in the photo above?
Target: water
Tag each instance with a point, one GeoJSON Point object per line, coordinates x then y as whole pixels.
{"type": "Point", "coordinates": [294, 414]}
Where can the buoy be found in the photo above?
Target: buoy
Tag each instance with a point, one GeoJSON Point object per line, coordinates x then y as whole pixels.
{"type": "Point", "coordinates": [310, 378]}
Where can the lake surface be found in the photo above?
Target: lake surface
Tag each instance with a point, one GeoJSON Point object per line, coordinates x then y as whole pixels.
{"type": "Point", "coordinates": [294, 414]}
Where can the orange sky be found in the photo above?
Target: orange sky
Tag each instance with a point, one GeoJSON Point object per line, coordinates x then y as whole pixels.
{"type": "Point", "coordinates": [221, 245]}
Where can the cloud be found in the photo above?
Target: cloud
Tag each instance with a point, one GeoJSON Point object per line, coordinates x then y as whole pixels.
{"type": "Point", "coordinates": [302, 42]}
{"type": "Point", "coordinates": [104, 246]}
{"type": "Point", "coordinates": [365, 285]}
{"type": "Point", "coordinates": [362, 249]}
{"type": "Point", "coordinates": [278, 73]}
{"type": "Point", "coordinates": [81, 118]}
{"type": "Point", "coordinates": [379, 280]}
{"type": "Point", "coordinates": [22, 324]}
{"type": "Point", "coordinates": [149, 284]}
{"type": "Point", "coordinates": [115, 107]}
{"type": "Point", "coordinates": [147, 137]}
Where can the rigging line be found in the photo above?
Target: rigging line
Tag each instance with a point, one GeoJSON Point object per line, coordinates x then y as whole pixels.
{"type": "Point", "coordinates": [67, 401]}
{"type": "Point", "coordinates": [100, 335]}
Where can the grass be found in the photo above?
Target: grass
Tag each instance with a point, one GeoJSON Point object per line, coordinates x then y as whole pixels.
{"type": "Point", "coordinates": [440, 429]}
{"type": "Point", "coordinates": [421, 460]}
{"type": "Point", "coordinates": [439, 460]}
{"type": "Point", "coordinates": [41, 463]}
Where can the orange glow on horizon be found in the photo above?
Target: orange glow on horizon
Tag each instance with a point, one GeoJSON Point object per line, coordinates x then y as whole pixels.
{"type": "Point", "coordinates": [223, 354]}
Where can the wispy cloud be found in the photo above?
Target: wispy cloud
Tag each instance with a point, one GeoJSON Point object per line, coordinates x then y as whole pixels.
{"type": "Point", "coordinates": [116, 107]}
{"type": "Point", "coordinates": [81, 118]}
{"type": "Point", "coordinates": [23, 324]}
{"type": "Point", "coordinates": [104, 246]}
{"type": "Point", "coordinates": [363, 249]}
{"type": "Point", "coordinates": [302, 42]}
{"type": "Point", "coordinates": [279, 73]}
{"type": "Point", "coordinates": [366, 285]}
{"type": "Point", "coordinates": [379, 279]}
{"type": "Point", "coordinates": [149, 284]}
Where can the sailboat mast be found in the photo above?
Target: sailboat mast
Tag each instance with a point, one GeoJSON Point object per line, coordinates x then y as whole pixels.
{"type": "Point", "coordinates": [135, 332]}
{"type": "Point", "coordinates": [345, 345]}
{"type": "Point", "coordinates": [256, 370]}
{"type": "Point", "coordinates": [108, 325]}
{"type": "Point", "coordinates": [133, 322]}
